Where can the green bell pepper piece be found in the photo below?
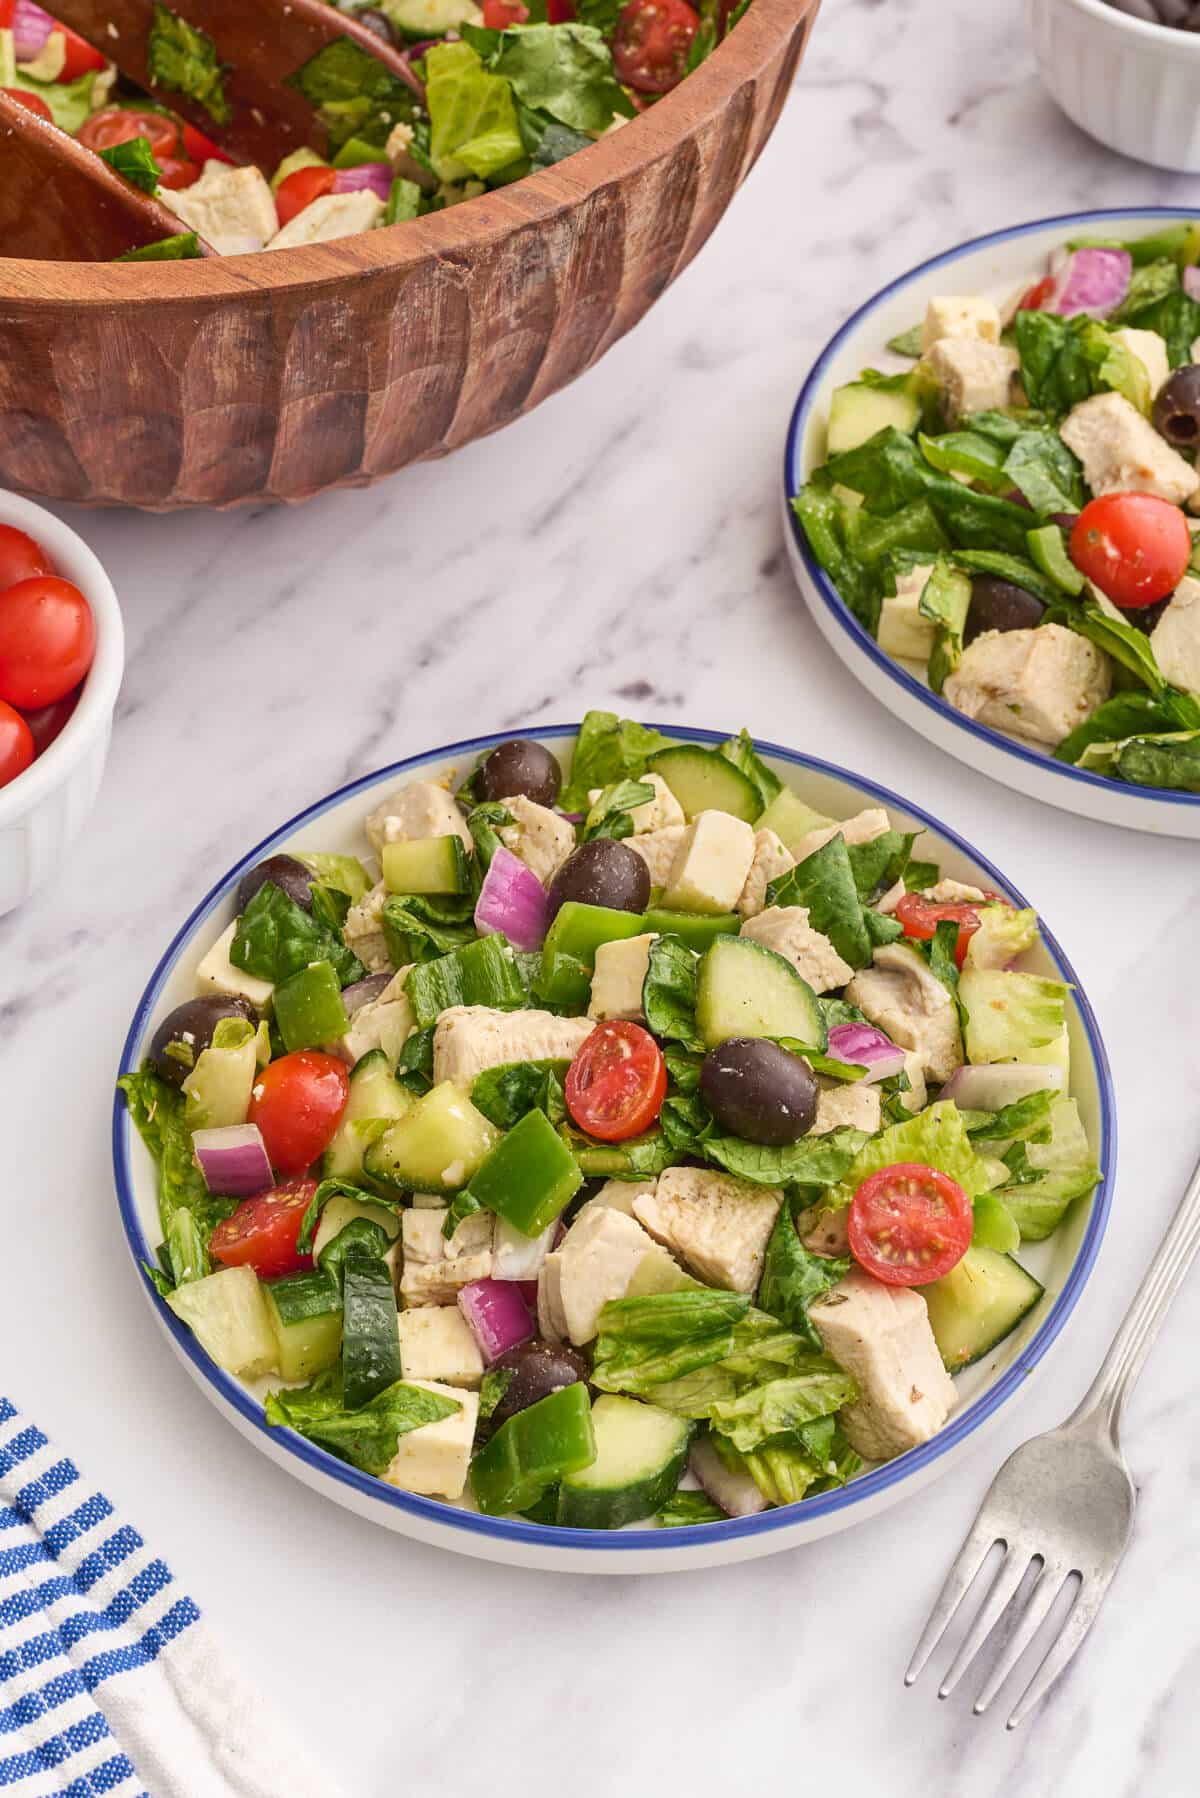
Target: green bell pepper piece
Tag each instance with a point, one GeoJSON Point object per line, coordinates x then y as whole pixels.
{"type": "Point", "coordinates": [692, 928]}
{"type": "Point", "coordinates": [482, 973]}
{"type": "Point", "coordinates": [534, 1450]}
{"type": "Point", "coordinates": [529, 1177]}
{"type": "Point", "coordinates": [309, 1009]}
{"type": "Point", "coordinates": [579, 930]}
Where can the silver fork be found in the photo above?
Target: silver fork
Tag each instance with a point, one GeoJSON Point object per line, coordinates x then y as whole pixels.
{"type": "Point", "coordinates": [1061, 1508]}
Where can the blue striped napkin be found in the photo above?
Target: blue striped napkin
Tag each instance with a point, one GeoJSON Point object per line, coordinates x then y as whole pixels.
{"type": "Point", "coordinates": [110, 1680]}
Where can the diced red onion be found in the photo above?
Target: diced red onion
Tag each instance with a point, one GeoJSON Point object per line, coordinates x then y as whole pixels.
{"type": "Point", "coordinates": [528, 1290]}
{"type": "Point", "coordinates": [512, 899]}
{"type": "Point", "coordinates": [517, 1256]}
{"type": "Point", "coordinates": [31, 26]}
{"type": "Point", "coordinates": [497, 1314]}
{"type": "Point", "coordinates": [368, 177]}
{"type": "Point", "coordinates": [1002, 1083]}
{"type": "Point", "coordinates": [233, 1160]}
{"type": "Point", "coordinates": [1093, 280]}
{"type": "Point", "coordinates": [573, 817]}
{"type": "Point", "coordinates": [736, 1493]}
{"type": "Point", "coordinates": [364, 992]}
{"type": "Point", "coordinates": [868, 1048]}
{"type": "Point", "coordinates": [1191, 282]}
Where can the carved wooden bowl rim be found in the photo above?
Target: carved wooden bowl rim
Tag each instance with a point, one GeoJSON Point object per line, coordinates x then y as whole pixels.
{"type": "Point", "coordinates": [454, 234]}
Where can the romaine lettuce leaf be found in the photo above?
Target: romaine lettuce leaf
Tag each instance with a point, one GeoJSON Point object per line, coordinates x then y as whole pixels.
{"type": "Point", "coordinates": [669, 993]}
{"type": "Point", "coordinates": [1009, 1013]}
{"type": "Point", "coordinates": [793, 1277]}
{"type": "Point", "coordinates": [183, 58]}
{"type": "Point", "coordinates": [687, 1507]}
{"type": "Point", "coordinates": [367, 1438]}
{"type": "Point", "coordinates": [187, 1212]}
{"type": "Point", "coordinates": [565, 70]}
{"type": "Point", "coordinates": [421, 926]}
{"type": "Point", "coordinates": [1171, 761]}
{"type": "Point", "coordinates": [1124, 715]}
{"type": "Point", "coordinates": [504, 1094]}
{"type": "Point", "coordinates": [825, 521]}
{"type": "Point", "coordinates": [1004, 933]}
{"type": "Point", "coordinates": [1056, 1173]}
{"type": "Point", "coordinates": [134, 159]}
{"type": "Point", "coordinates": [812, 1161]}
{"type": "Point", "coordinates": [889, 471]}
{"type": "Point", "coordinates": [344, 873]}
{"type": "Point", "coordinates": [825, 884]}
{"type": "Point", "coordinates": [741, 752]}
{"type": "Point", "coordinates": [608, 749]}
{"type": "Point", "coordinates": [644, 1342]}
{"type": "Point", "coordinates": [1066, 360]}
{"type": "Point", "coordinates": [945, 600]}
{"type": "Point", "coordinates": [780, 1407]}
{"type": "Point", "coordinates": [70, 102]}
{"type": "Point", "coordinates": [609, 815]}
{"type": "Point", "coordinates": [472, 114]}
{"type": "Point", "coordinates": [180, 248]}
{"type": "Point", "coordinates": [275, 938]}
{"type": "Point", "coordinates": [354, 94]}
{"type": "Point", "coordinates": [936, 1136]}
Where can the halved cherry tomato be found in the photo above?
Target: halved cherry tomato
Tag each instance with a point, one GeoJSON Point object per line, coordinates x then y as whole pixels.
{"type": "Point", "coordinates": [121, 124]}
{"type": "Point", "coordinates": [16, 744]}
{"type": "Point", "coordinates": [80, 56]}
{"type": "Point", "coordinates": [616, 1084]}
{"type": "Point", "coordinates": [262, 1232]}
{"type": "Point", "coordinates": [1134, 546]}
{"type": "Point", "coordinates": [198, 148]}
{"type": "Point", "coordinates": [651, 44]}
{"type": "Point", "coordinates": [176, 171]}
{"type": "Point", "coordinates": [498, 15]}
{"type": "Point", "coordinates": [1037, 296]}
{"type": "Point", "coordinates": [297, 1103]}
{"type": "Point", "coordinates": [909, 1224]}
{"type": "Point", "coordinates": [7, 9]}
{"type": "Point", "coordinates": [300, 190]}
{"type": "Point", "coordinates": [560, 12]}
{"type": "Point", "coordinates": [919, 917]}
{"type": "Point", "coordinates": [47, 640]}
{"type": "Point", "coordinates": [49, 721]}
{"type": "Point", "coordinates": [20, 557]}
{"type": "Point", "coordinates": [31, 102]}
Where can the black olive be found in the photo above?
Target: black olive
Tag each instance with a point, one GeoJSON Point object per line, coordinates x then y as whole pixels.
{"type": "Point", "coordinates": [538, 1369]}
{"type": "Point", "coordinates": [520, 767]}
{"type": "Point", "coordinates": [602, 872]}
{"type": "Point", "coordinates": [758, 1091]}
{"type": "Point", "coordinates": [1176, 411]}
{"type": "Point", "coordinates": [1144, 618]}
{"type": "Point", "coordinates": [283, 871]}
{"type": "Point", "coordinates": [176, 1045]}
{"type": "Point", "coordinates": [998, 605]}
{"type": "Point", "coordinates": [378, 24]}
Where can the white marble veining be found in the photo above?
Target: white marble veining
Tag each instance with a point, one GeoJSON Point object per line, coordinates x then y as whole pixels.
{"type": "Point", "coordinates": [622, 547]}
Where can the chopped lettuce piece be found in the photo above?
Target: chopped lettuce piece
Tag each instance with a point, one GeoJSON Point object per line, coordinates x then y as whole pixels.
{"type": "Point", "coordinates": [669, 993]}
{"type": "Point", "coordinates": [793, 1277]}
{"type": "Point", "coordinates": [504, 1094]}
{"type": "Point", "coordinates": [945, 600]}
{"type": "Point", "coordinates": [1054, 1174]}
{"type": "Point", "coordinates": [779, 1407]}
{"type": "Point", "coordinates": [936, 1136]}
{"type": "Point", "coordinates": [565, 70]}
{"type": "Point", "coordinates": [1004, 933]}
{"type": "Point", "coordinates": [353, 93]}
{"type": "Point", "coordinates": [644, 1342]}
{"type": "Point", "coordinates": [741, 752]}
{"type": "Point", "coordinates": [345, 873]}
{"type": "Point", "coordinates": [187, 1212]}
{"type": "Point", "coordinates": [167, 249]}
{"type": "Point", "coordinates": [472, 113]}
{"type": "Point", "coordinates": [687, 1507]}
{"type": "Point", "coordinates": [824, 883]}
{"type": "Point", "coordinates": [1009, 1014]}
{"type": "Point", "coordinates": [367, 1437]}
{"type": "Point", "coordinates": [812, 1161]}
{"type": "Point", "coordinates": [70, 102]}
{"type": "Point", "coordinates": [275, 938]}
{"type": "Point", "coordinates": [608, 749]}
{"type": "Point", "coordinates": [135, 160]}
{"type": "Point", "coordinates": [1065, 360]}
{"type": "Point", "coordinates": [183, 58]}
{"type": "Point", "coordinates": [1124, 715]}
{"type": "Point", "coordinates": [609, 816]}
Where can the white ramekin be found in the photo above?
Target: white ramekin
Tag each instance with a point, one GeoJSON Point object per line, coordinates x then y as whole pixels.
{"type": "Point", "coordinates": [1134, 86]}
{"type": "Point", "coordinates": [43, 810]}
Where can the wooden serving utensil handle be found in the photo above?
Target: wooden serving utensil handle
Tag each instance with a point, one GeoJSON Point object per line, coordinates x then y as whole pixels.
{"type": "Point", "coordinates": [259, 42]}
{"type": "Point", "coordinates": [61, 203]}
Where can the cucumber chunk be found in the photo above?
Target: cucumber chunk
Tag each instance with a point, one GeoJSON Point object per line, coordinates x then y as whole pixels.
{"type": "Point", "coordinates": [435, 1147]}
{"type": "Point", "coordinates": [305, 1314]}
{"type": "Point", "coordinates": [426, 865]}
{"type": "Point", "coordinates": [640, 1452]}
{"type": "Point", "coordinates": [370, 1331]}
{"type": "Point", "coordinates": [704, 781]}
{"type": "Point", "coordinates": [977, 1304]}
{"type": "Point", "coordinates": [745, 989]}
{"type": "Point", "coordinates": [857, 411]}
{"type": "Point", "coordinates": [374, 1093]}
{"type": "Point", "coordinates": [227, 1315]}
{"type": "Point", "coordinates": [791, 820]}
{"type": "Point", "coordinates": [341, 1210]}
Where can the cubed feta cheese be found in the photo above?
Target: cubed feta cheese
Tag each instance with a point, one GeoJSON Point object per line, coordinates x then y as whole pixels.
{"type": "Point", "coordinates": [436, 1343]}
{"type": "Point", "coordinates": [771, 860]}
{"type": "Point", "coordinates": [658, 849]}
{"type": "Point", "coordinates": [718, 1225]}
{"type": "Point", "coordinates": [217, 974]}
{"type": "Point", "coordinates": [786, 930]}
{"type": "Point", "coordinates": [1037, 683]}
{"type": "Point", "coordinates": [955, 892]}
{"type": "Point", "coordinates": [881, 1335]}
{"type": "Point", "coordinates": [420, 809]}
{"type": "Point", "coordinates": [904, 631]}
{"type": "Point", "coordinates": [1175, 639]}
{"type": "Point", "coordinates": [434, 1459]}
{"type": "Point", "coordinates": [363, 930]}
{"type": "Point", "coordinates": [974, 376]}
{"type": "Point", "coordinates": [1151, 351]}
{"type": "Point", "coordinates": [539, 837]}
{"type": "Point", "coordinates": [619, 976]}
{"type": "Point", "coordinates": [469, 1038]}
{"type": "Point", "coordinates": [232, 208]}
{"type": "Point", "coordinates": [1121, 451]}
{"type": "Point", "coordinates": [330, 217]}
{"type": "Point", "coordinates": [711, 864]}
{"type": "Point", "coordinates": [960, 315]}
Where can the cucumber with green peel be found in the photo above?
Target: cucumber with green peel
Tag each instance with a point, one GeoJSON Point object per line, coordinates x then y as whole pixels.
{"type": "Point", "coordinates": [640, 1454]}
{"type": "Point", "coordinates": [341, 1210]}
{"type": "Point", "coordinates": [1048, 551]}
{"type": "Point", "coordinates": [792, 820]}
{"type": "Point", "coordinates": [305, 1313]}
{"type": "Point", "coordinates": [977, 1304]}
{"type": "Point", "coordinates": [693, 928]}
{"type": "Point", "coordinates": [579, 930]}
{"type": "Point", "coordinates": [375, 1093]}
{"type": "Point", "coordinates": [704, 781]}
{"type": "Point", "coordinates": [745, 989]}
{"type": "Point", "coordinates": [370, 1331]}
{"type": "Point", "coordinates": [428, 865]}
{"type": "Point", "coordinates": [857, 412]}
{"type": "Point", "coordinates": [435, 1147]}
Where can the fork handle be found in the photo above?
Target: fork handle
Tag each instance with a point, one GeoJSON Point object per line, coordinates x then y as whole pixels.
{"type": "Point", "coordinates": [1104, 1400]}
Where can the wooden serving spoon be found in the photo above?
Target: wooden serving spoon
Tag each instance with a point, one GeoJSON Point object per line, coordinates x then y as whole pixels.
{"type": "Point", "coordinates": [61, 203]}
{"type": "Point", "coordinates": [259, 42]}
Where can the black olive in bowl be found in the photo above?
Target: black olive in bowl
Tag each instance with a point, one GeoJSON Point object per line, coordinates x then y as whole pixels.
{"type": "Point", "coordinates": [758, 1091]}
{"type": "Point", "coordinates": [538, 1368]}
{"type": "Point", "coordinates": [998, 605]}
{"type": "Point", "coordinates": [602, 872]}
{"type": "Point", "coordinates": [519, 768]}
{"type": "Point", "coordinates": [283, 871]}
{"type": "Point", "coordinates": [1176, 413]}
{"type": "Point", "coordinates": [185, 1032]}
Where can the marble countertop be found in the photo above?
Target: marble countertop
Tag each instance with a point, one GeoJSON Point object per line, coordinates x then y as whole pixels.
{"type": "Point", "coordinates": [620, 547]}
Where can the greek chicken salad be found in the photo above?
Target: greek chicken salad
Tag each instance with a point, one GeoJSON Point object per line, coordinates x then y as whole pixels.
{"type": "Point", "coordinates": [1013, 511]}
{"type": "Point", "coordinates": [629, 1144]}
{"type": "Point", "coordinates": [488, 94]}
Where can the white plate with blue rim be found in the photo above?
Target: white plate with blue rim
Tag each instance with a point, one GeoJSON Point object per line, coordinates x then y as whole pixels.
{"type": "Point", "coordinates": [995, 265]}
{"type": "Point", "coordinates": [1063, 1263]}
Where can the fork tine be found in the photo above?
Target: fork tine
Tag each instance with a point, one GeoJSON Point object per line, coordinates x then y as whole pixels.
{"type": "Point", "coordinates": [1076, 1627]}
{"type": "Point", "coordinates": [1049, 1584]}
{"type": "Point", "coordinates": [971, 1556]}
{"type": "Point", "coordinates": [1009, 1574]}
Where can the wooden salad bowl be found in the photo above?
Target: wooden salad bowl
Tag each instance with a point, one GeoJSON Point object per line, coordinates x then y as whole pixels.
{"type": "Point", "coordinates": [222, 381]}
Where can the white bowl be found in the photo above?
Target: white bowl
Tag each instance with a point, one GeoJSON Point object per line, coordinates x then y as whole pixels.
{"type": "Point", "coordinates": [1063, 1264]}
{"type": "Point", "coordinates": [1131, 84]}
{"type": "Point", "coordinates": [44, 810]}
{"type": "Point", "coordinates": [995, 265]}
